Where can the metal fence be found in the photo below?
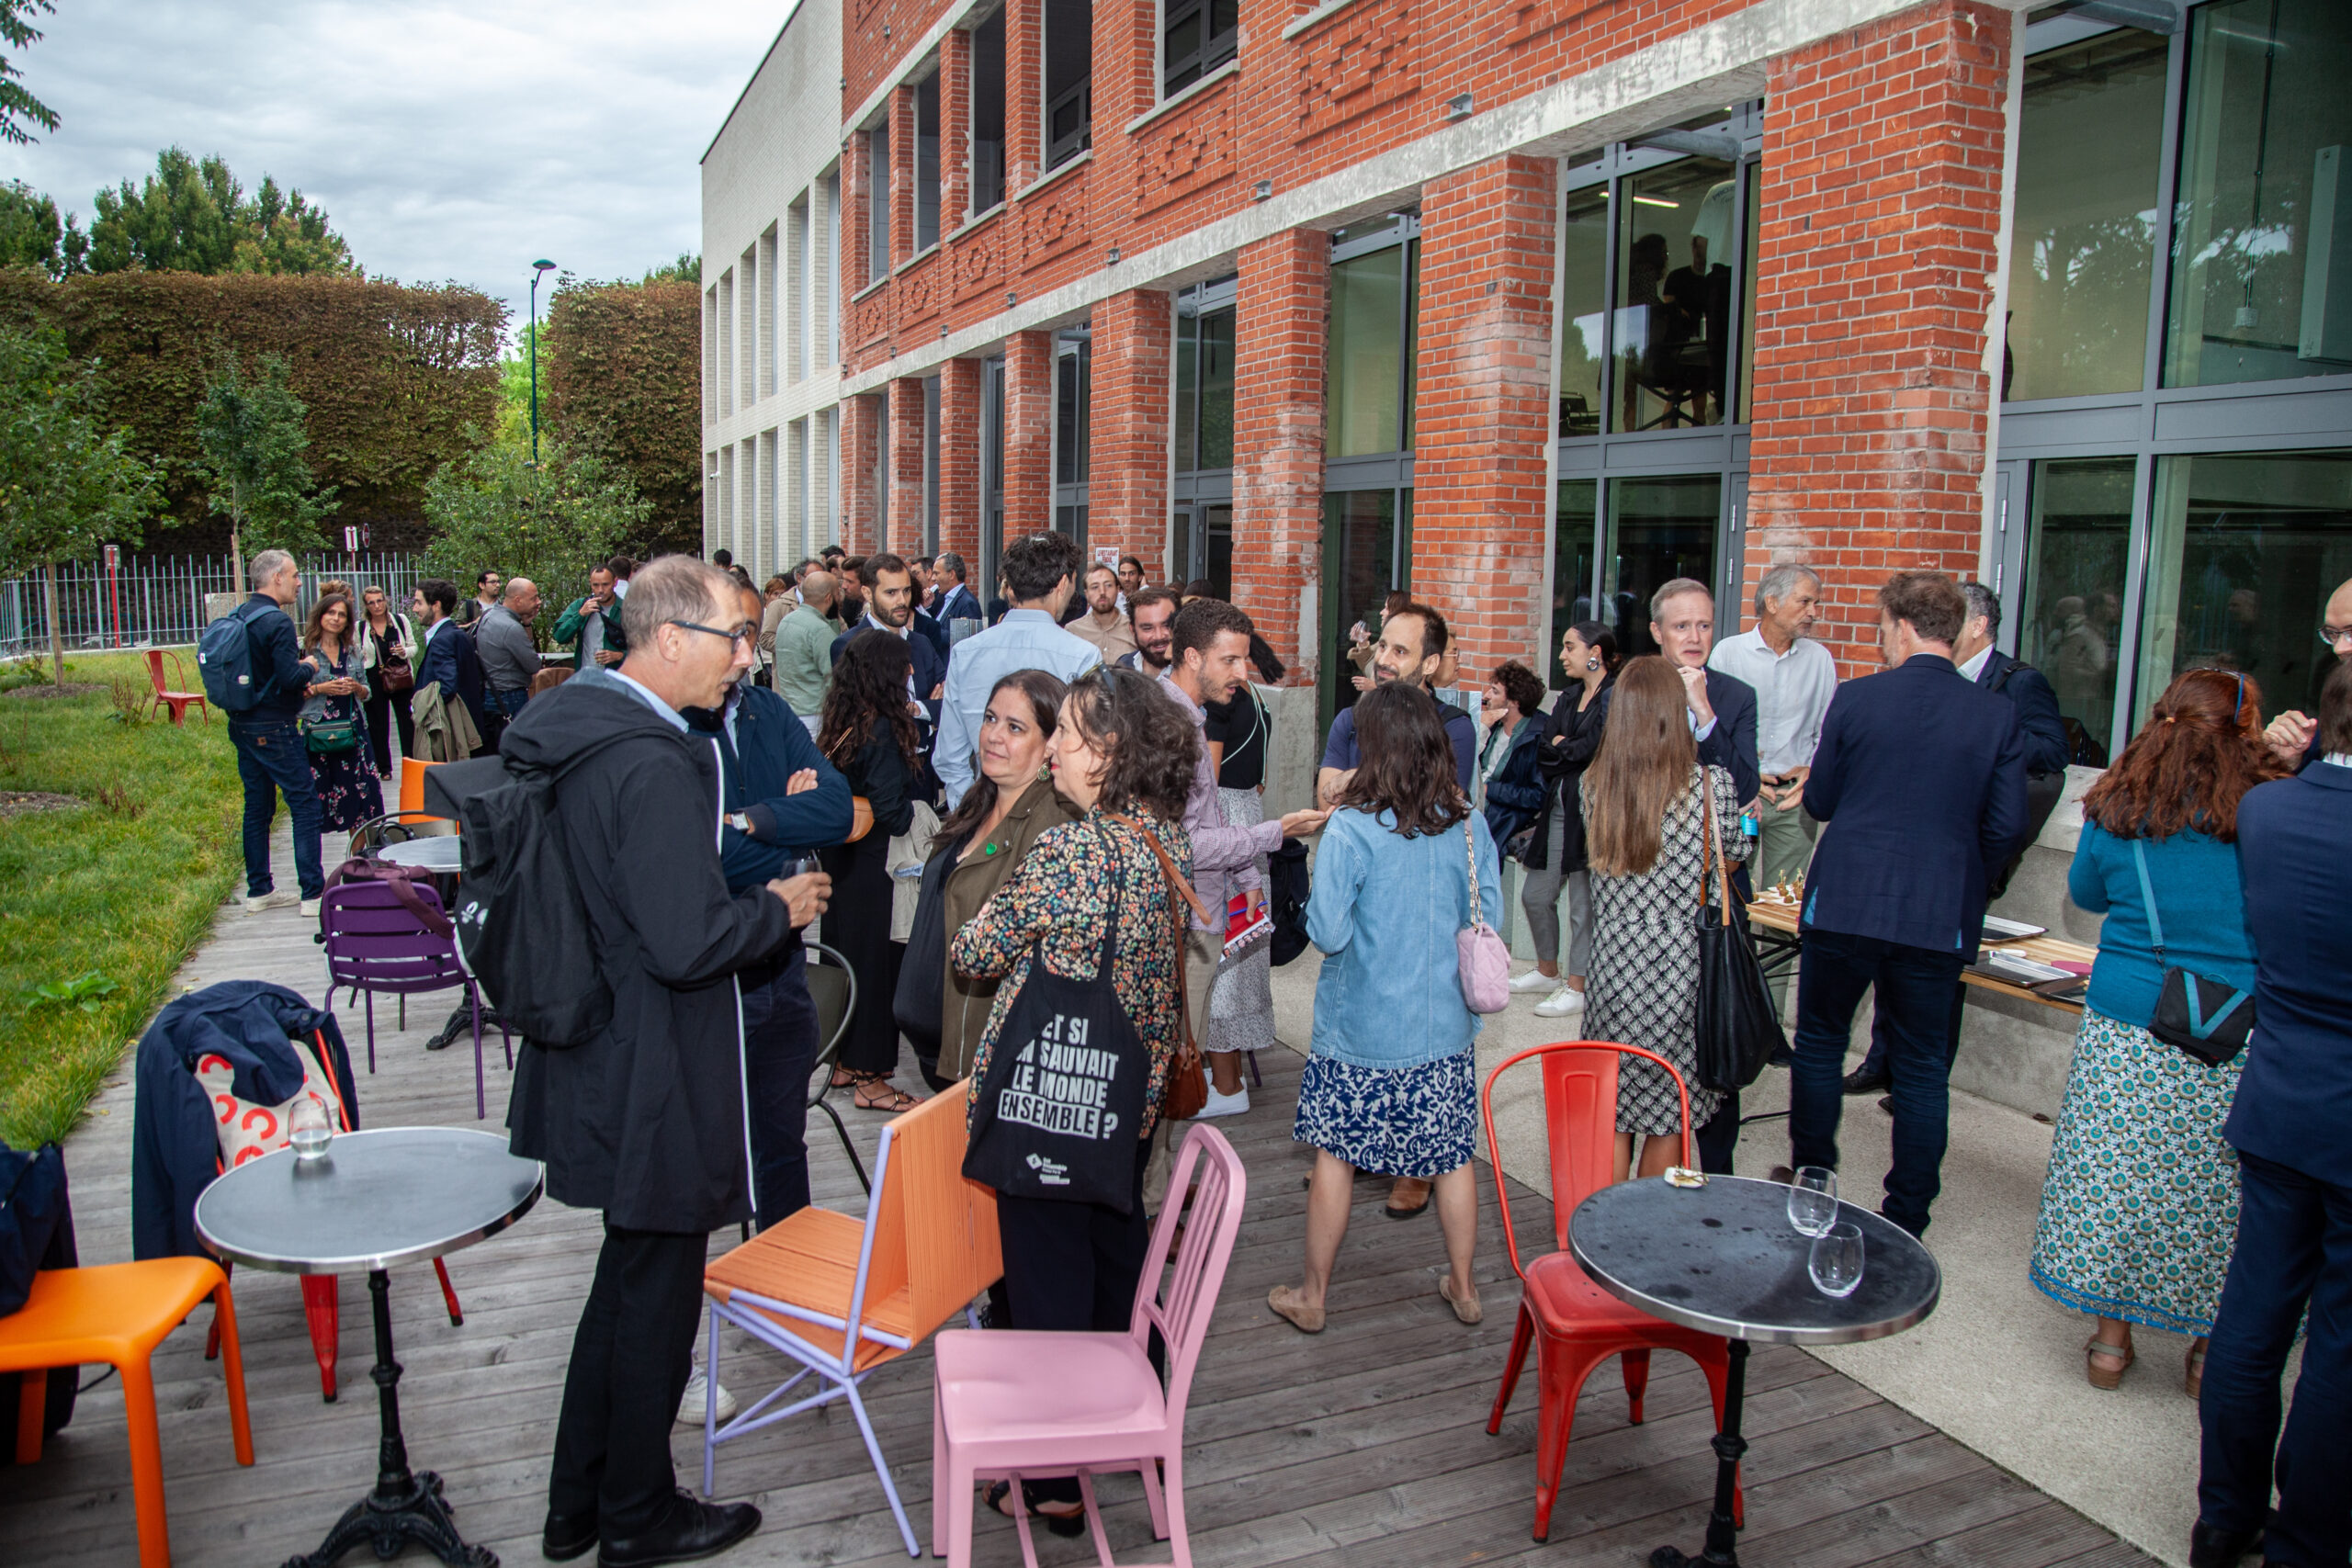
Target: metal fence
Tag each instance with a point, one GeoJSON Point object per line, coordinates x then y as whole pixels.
{"type": "Point", "coordinates": [160, 601]}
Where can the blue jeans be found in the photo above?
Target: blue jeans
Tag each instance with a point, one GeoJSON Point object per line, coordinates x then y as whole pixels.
{"type": "Point", "coordinates": [779, 1053]}
{"type": "Point", "coordinates": [2294, 1248]}
{"type": "Point", "coordinates": [271, 761]}
{"type": "Point", "coordinates": [1914, 987]}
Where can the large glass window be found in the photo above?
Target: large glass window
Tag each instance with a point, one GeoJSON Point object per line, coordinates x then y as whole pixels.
{"type": "Point", "coordinates": [1367, 550]}
{"type": "Point", "coordinates": [1198, 36]}
{"type": "Point", "coordinates": [1674, 294]}
{"type": "Point", "coordinates": [1573, 533]}
{"type": "Point", "coordinates": [2083, 250]}
{"type": "Point", "coordinates": [1584, 307]}
{"type": "Point", "coordinates": [1203, 412]}
{"type": "Point", "coordinates": [877, 201]}
{"type": "Point", "coordinates": [2245, 550]}
{"type": "Point", "coordinates": [1661, 529]}
{"type": "Point", "coordinates": [2262, 249]}
{"type": "Point", "coordinates": [2074, 593]}
{"type": "Point", "coordinates": [1745, 412]}
{"type": "Point", "coordinates": [988, 113]}
{"type": "Point", "coordinates": [1073, 434]}
{"type": "Point", "coordinates": [1368, 391]}
{"type": "Point", "coordinates": [927, 163]}
{"type": "Point", "coordinates": [1070, 77]}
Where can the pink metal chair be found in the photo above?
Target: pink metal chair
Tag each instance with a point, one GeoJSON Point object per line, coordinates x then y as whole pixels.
{"type": "Point", "coordinates": [395, 939]}
{"type": "Point", "coordinates": [1008, 1404]}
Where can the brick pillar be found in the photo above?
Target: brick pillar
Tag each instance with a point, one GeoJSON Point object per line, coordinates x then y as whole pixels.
{"type": "Point", "coordinates": [959, 459]}
{"type": "Point", "coordinates": [857, 214]}
{"type": "Point", "coordinates": [1871, 394]}
{"type": "Point", "coordinates": [1128, 491]}
{"type": "Point", "coordinates": [1481, 508]}
{"type": "Point", "coordinates": [1028, 437]}
{"type": "Point", "coordinates": [1278, 442]}
{"type": "Point", "coordinates": [861, 437]}
{"type": "Point", "coordinates": [955, 141]}
{"type": "Point", "coordinates": [1024, 89]}
{"type": "Point", "coordinates": [902, 175]}
{"type": "Point", "coordinates": [1126, 67]}
{"type": "Point", "coordinates": [908, 457]}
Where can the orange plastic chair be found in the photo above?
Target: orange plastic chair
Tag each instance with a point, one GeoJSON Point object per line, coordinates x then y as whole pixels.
{"type": "Point", "coordinates": [1574, 1323]}
{"type": "Point", "coordinates": [412, 785]}
{"type": "Point", "coordinates": [118, 1313]}
{"type": "Point", "coordinates": [842, 1297]}
{"type": "Point", "coordinates": [179, 702]}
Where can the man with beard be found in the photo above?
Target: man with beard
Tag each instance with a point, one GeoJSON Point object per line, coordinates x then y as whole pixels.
{"type": "Point", "coordinates": [1411, 649]}
{"type": "Point", "coordinates": [1151, 614]}
{"type": "Point", "coordinates": [891, 607]}
{"type": "Point", "coordinates": [1103, 624]}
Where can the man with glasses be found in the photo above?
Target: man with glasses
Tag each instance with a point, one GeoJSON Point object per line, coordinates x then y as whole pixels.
{"type": "Point", "coordinates": [2294, 735]}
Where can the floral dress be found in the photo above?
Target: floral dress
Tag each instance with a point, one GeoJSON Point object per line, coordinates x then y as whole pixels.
{"type": "Point", "coordinates": [348, 793]}
{"type": "Point", "coordinates": [1057, 903]}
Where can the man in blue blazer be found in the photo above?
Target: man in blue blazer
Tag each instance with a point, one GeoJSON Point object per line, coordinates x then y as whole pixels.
{"type": "Point", "coordinates": [2288, 1122]}
{"type": "Point", "coordinates": [450, 661]}
{"type": "Point", "coordinates": [1920, 781]}
{"type": "Point", "coordinates": [891, 607]}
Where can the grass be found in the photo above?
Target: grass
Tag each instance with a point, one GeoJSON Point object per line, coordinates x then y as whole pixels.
{"type": "Point", "coordinates": [120, 890]}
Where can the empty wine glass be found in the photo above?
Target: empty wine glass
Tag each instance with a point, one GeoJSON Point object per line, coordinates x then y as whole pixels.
{"type": "Point", "coordinates": [1813, 1199]}
{"type": "Point", "coordinates": [307, 1129]}
{"type": "Point", "coordinates": [1836, 1261]}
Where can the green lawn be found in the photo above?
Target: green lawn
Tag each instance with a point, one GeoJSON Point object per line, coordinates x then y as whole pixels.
{"type": "Point", "coordinates": [123, 887]}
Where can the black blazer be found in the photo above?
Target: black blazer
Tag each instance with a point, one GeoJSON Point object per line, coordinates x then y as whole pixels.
{"type": "Point", "coordinates": [1921, 778]}
{"type": "Point", "coordinates": [1731, 745]}
{"type": "Point", "coordinates": [452, 663]}
{"type": "Point", "coordinates": [2037, 705]}
{"type": "Point", "coordinates": [931, 666]}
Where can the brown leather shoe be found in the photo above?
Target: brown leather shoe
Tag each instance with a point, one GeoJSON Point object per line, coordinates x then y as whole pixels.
{"type": "Point", "coordinates": [1414, 1193]}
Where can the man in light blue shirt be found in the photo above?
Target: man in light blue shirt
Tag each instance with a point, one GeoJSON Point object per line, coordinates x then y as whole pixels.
{"type": "Point", "coordinates": [1039, 573]}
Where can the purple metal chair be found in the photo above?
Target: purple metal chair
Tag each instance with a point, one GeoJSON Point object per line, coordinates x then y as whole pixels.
{"type": "Point", "coordinates": [394, 938]}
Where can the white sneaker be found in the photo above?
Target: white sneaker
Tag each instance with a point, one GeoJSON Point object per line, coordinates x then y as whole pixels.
{"type": "Point", "coordinates": [277, 900]}
{"type": "Point", "coordinates": [311, 908]}
{"type": "Point", "coordinates": [1561, 1003]}
{"type": "Point", "coordinates": [1534, 980]}
{"type": "Point", "coordinates": [1234, 1104]}
{"type": "Point", "coordinates": [690, 1407]}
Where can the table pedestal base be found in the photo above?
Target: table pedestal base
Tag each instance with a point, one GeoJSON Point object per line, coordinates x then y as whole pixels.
{"type": "Point", "coordinates": [1723, 1528]}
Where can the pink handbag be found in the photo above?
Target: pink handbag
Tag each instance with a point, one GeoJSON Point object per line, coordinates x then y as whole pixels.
{"type": "Point", "coordinates": [1479, 953]}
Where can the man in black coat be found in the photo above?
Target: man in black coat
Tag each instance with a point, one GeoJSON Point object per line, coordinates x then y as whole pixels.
{"type": "Point", "coordinates": [891, 607]}
{"type": "Point", "coordinates": [645, 1121]}
{"type": "Point", "coordinates": [1921, 778]}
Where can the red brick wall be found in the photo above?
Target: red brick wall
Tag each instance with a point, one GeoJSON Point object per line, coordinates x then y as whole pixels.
{"type": "Point", "coordinates": [1127, 491]}
{"type": "Point", "coordinates": [861, 437]}
{"type": "Point", "coordinates": [1028, 439]}
{"type": "Point", "coordinates": [959, 459]}
{"type": "Point", "coordinates": [1278, 437]}
{"type": "Point", "coordinates": [1482, 513]}
{"type": "Point", "coordinates": [1882, 203]}
{"type": "Point", "coordinates": [909, 445]}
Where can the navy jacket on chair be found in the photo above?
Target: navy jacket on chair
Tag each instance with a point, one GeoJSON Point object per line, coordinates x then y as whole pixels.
{"type": "Point", "coordinates": [452, 663]}
{"type": "Point", "coordinates": [1920, 775]}
{"type": "Point", "coordinates": [1731, 745]}
{"type": "Point", "coordinates": [2295, 1098]}
{"type": "Point", "coordinates": [2037, 704]}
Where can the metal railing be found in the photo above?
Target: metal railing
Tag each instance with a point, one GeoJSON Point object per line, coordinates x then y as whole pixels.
{"type": "Point", "coordinates": [160, 601]}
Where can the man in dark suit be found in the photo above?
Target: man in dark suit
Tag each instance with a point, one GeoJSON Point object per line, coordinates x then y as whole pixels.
{"type": "Point", "coordinates": [955, 601]}
{"type": "Point", "coordinates": [450, 661]}
{"type": "Point", "coordinates": [1920, 779]}
{"type": "Point", "coordinates": [2294, 1241]}
{"type": "Point", "coordinates": [891, 607]}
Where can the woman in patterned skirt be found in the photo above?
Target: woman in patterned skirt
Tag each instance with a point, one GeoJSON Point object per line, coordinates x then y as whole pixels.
{"type": "Point", "coordinates": [1645, 798]}
{"type": "Point", "coordinates": [2141, 1204]}
{"type": "Point", "coordinates": [1391, 1084]}
{"type": "Point", "coordinates": [348, 793]}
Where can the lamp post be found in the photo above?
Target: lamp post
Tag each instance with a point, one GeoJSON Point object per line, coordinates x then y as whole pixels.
{"type": "Point", "coordinates": [538, 269]}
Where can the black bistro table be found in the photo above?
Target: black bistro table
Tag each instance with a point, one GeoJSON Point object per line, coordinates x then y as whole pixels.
{"type": "Point", "coordinates": [1722, 1258]}
{"type": "Point", "coordinates": [376, 1199]}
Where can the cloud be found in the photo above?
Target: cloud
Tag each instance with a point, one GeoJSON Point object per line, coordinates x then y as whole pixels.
{"type": "Point", "coordinates": [447, 141]}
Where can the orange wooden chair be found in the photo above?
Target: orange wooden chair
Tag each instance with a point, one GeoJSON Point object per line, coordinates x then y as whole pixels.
{"type": "Point", "coordinates": [842, 1296]}
{"type": "Point", "coordinates": [118, 1313]}
{"type": "Point", "coordinates": [179, 702]}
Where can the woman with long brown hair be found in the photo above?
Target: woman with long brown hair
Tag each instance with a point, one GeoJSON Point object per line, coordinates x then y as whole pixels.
{"type": "Point", "coordinates": [1645, 800]}
{"type": "Point", "coordinates": [333, 723]}
{"type": "Point", "coordinates": [2141, 1204]}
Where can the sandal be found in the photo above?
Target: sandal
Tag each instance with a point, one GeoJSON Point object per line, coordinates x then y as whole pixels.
{"type": "Point", "coordinates": [2103, 1377]}
{"type": "Point", "coordinates": [1290, 1304]}
{"type": "Point", "coordinates": [1066, 1525]}
{"type": "Point", "coordinates": [1466, 1308]}
{"type": "Point", "coordinates": [1390, 1208]}
{"type": "Point", "coordinates": [898, 1100]}
{"type": "Point", "coordinates": [2194, 1367]}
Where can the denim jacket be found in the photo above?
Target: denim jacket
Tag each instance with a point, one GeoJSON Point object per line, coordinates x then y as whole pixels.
{"type": "Point", "coordinates": [1384, 911]}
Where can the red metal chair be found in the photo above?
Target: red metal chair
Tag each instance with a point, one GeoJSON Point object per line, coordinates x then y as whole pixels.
{"type": "Point", "coordinates": [1574, 1323]}
{"type": "Point", "coordinates": [177, 702]}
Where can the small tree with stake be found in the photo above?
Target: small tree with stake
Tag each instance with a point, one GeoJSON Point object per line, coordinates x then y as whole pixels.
{"type": "Point", "coordinates": [253, 441]}
{"type": "Point", "coordinates": [66, 485]}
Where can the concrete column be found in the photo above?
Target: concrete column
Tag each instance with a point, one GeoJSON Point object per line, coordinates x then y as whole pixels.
{"type": "Point", "coordinates": [1284, 298]}
{"type": "Point", "coordinates": [1128, 484]}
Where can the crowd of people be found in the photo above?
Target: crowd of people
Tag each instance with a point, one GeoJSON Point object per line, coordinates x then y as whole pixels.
{"type": "Point", "coordinates": [1073, 777]}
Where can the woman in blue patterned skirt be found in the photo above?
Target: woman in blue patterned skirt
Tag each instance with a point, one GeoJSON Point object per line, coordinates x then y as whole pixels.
{"type": "Point", "coordinates": [1391, 1084]}
{"type": "Point", "coordinates": [2141, 1204]}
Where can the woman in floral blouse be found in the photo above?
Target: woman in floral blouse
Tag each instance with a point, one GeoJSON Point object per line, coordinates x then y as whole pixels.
{"type": "Point", "coordinates": [1121, 749]}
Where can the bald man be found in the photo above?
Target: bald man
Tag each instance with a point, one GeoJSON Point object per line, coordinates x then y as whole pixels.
{"type": "Point", "coordinates": [803, 648]}
{"type": "Point", "coordinates": [2294, 735]}
{"type": "Point", "coordinates": [502, 639]}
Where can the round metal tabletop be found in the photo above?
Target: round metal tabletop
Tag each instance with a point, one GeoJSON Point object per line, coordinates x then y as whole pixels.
{"type": "Point", "coordinates": [377, 1199]}
{"type": "Point", "coordinates": [441, 852]}
{"type": "Point", "coordinates": [1722, 1258]}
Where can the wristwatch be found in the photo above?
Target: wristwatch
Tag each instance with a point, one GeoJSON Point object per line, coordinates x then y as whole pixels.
{"type": "Point", "coordinates": [739, 821]}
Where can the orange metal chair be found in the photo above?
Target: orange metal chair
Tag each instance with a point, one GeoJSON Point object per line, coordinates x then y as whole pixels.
{"type": "Point", "coordinates": [842, 1297]}
{"type": "Point", "coordinates": [179, 702]}
{"type": "Point", "coordinates": [1574, 1323]}
{"type": "Point", "coordinates": [118, 1313]}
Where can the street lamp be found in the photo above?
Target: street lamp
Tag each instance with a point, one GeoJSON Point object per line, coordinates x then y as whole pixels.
{"type": "Point", "coordinates": [538, 269]}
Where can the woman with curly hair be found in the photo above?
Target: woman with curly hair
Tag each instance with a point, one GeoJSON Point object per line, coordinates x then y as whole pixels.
{"type": "Point", "coordinates": [2140, 1205]}
{"type": "Point", "coordinates": [867, 730]}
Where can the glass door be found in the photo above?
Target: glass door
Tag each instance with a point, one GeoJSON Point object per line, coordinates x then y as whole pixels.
{"type": "Point", "coordinates": [1366, 551]}
{"type": "Point", "coordinates": [1659, 527]}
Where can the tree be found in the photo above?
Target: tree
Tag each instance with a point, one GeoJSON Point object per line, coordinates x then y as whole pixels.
{"type": "Point", "coordinates": [687, 268]}
{"type": "Point", "coordinates": [67, 487]}
{"type": "Point", "coordinates": [32, 233]}
{"type": "Point", "coordinates": [253, 441]}
{"type": "Point", "coordinates": [17, 103]}
{"type": "Point", "coordinates": [620, 374]}
{"type": "Point", "coordinates": [551, 524]}
{"type": "Point", "coordinates": [195, 217]}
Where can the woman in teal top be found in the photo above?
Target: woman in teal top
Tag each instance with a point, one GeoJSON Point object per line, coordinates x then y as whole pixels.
{"type": "Point", "coordinates": [1391, 1085]}
{"type": "Point", "coordinates": [2140, 1207]}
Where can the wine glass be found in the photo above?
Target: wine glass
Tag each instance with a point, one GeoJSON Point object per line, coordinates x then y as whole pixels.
{"type": "Point", "coordinates": [307, 1129]}
{"type": "Point", "coordinates": [1835, 1263]}
{"type": "Point", "coordinates": [1812, 1200]}
{"type": "Point", "coordinates": [806, 864]}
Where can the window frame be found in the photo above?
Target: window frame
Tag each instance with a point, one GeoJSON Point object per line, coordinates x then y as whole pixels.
{"type": "Point", "coordinates": [1212, 49]}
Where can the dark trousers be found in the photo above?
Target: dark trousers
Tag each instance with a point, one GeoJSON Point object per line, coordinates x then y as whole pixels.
{"type": "Point", "coordinates": [385, 709]}
{"type": "Point", "coordinates": [1914, 987]}
{"type": "Point", "coordinates": [779, 1053]}
{"type": "Point", "coordinates": [498, 710]}
{"type": "Point", "coordinates": [2294, 1248]}
{"type": "Point", "coordinates": [271, 761]}
{"type": "Point", "coordinates": [631, 1360]}
{"type": "Point", "coordinates": [857, 921]}
{"type": "Point", "coordinates": [1874, 1059]}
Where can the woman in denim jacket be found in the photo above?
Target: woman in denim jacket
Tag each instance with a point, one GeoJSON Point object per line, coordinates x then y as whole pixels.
{"type": "Point", "coordinates": [1392, 1084]}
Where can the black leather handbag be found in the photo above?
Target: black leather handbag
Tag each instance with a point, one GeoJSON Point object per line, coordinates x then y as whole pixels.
{"type": "Point", "coordinates": [1737, 1027]}
{"type": "Point", "coordinates": [2211, 1020]}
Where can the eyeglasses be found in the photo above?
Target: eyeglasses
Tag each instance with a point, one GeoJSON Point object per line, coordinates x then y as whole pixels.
{"type": "Point", "coordinates": [742, 636]}
{"type": "Point", "coordinates": [2333, 634]}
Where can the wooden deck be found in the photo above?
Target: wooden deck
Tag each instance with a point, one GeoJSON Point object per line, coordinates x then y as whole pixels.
{"type": "Point", "coordinates": [1363, 1446]}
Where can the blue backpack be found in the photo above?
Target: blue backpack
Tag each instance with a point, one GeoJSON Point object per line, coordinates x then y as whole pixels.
{"type": "Point", "coordinates": [224, 658]}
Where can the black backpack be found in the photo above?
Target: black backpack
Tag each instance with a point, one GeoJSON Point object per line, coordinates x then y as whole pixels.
{"type": "Point", "coordinates": [1286, 900]}
{"type": "Point", "coordinates": [522, 924]}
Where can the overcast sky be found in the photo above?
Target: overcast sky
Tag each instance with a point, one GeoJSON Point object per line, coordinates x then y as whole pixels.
{"type": "Point", "coordinates": [447, 141]}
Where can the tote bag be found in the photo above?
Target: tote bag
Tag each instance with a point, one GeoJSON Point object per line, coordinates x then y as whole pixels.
{"type": "Point", "coordinates": [1738, 1029]}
